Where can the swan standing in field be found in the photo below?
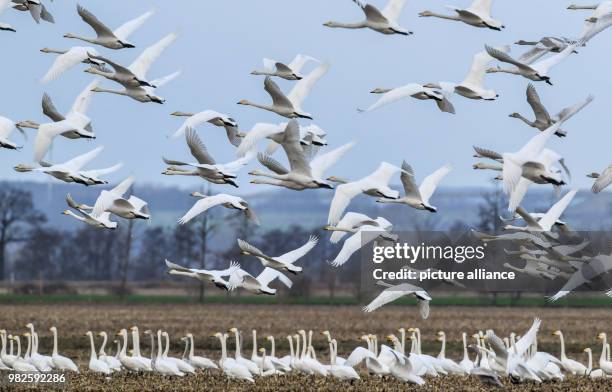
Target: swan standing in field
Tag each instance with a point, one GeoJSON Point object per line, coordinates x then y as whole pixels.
{"type": "Point", "coordinates": [376, 183]}
{"type": "Point", "coordinates": [570, 365]}
{"type": "Point", "coordinates": [592, 373]}
{"type": "Point", "coordinates": [44, 363]}
{"type": "Point", "coordinates": [304, 174]}
{"type": "Point", "coordinates": [414, 90]}
{"type": "Point", "coordinates": [284, 262]}
{"type": "Point", "coordinates": [213, 276]}
{"type": "Point", "coordinates": [374, 364]}
{"type": "Point", "coordinates": [222, 199]}
{"type": "Point", "coordinates": [289, 71]}
{"type": "Point", "coordinates": [290, 105]}
{"type": "Point", "coordinates": [478, 14]}
{"type": "Point", "coordinates": [603, 180]}
{"type": "Point", "coordinates": [198, 361]}
{"type": "Point", "coordinates": [466, 363]}
{"type": "Point", "coordinates": [101, 221]}
{"type": "Point", "coordinates": [111, 361]}
{"type": "Point", "coordinates": [96, 365]}
{"type": "Point", "coordinates": [59, 361]}
{"type": "Point", "coordinates": [182, 365]}
{"type": "Point", "coordinates": [116, 39]}
{"type": "Point", "coordinates": [449, 365]}
{"type": "Point", "coordinates": [70, 171]}
{"type": "Point", "coordinates": [206, 167]}
{"type": "Point", "coordinates": [7, 358]}
{"type": "Point", "coordinates": [385, 21]}
{"type": "Point", "coordinates": [548, 220]}
{"type": "Point", "coordinates": [537, 71]}
{"type": "Point", "coordinates": [419, 197]}
{"type": "Point", "coordinates": [543, 120]}
{"type": "Point", "coordinates": [161, 364]}
{"type": "Point", "coordinates": [230, 366]}
{"type": "Point", "coordinates": [5, 26]}
{"type": "Point", "coordinates": [6, 127]}
{"type": "Point", "coordinates": [259, 284]}
{"type": "Point", "coordinates": [267, 365]}
{"type": "Point", "coordinates": [21, 364]}
{"type": "Point", "coordinates": [69, 58]}
{"type": "Point", "coordinates": [391, 293]}
{"type": "Point", "coordinates": [249, 364]}
{"type": "Point", "coordinates": [128, 362]}
{"type": "Point", "coordinates": [362, 236]}
{"type": "Point", "coordinates": [113, 201]}
{"type": "Point", "coordinates": [136, 348]}
{"type": "Point", "coordinates": [341, 372]}
{"type": "Point", "coordinates": [210, 116]}
{"type": "Point", "coordinates": [604, 364]}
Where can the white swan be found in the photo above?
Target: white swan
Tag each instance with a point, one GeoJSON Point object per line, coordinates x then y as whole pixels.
{"type": "Point", "coordinates": [603, 180]}
{"type": "Point", "coordinates": [182, 365]}
{"type": "Point", "coordinates": [222, 199]}
{"type": "Point", "coordinates": [290, 105]}
{"type": "Point", "coordinates": [116, 39]}
{"type": "Point", "coordinates": [70, 171]}
{"type": "Point", "coordinates": [267, 365]}
{"type": "Point", "coordinates": [375, 183]}
{"type": "Point", "coordinates": [48, 132]}
{"type": "Point", "coordinates": [43, 363]}
{"type": "Point", "coordinates": [592, 373]}
{"type": "Point", "coordinates": [586, 272]}
{"type": "Point", "coordinates": [213, 276]}
{"type": "Point", "coordinates": [7, 358]}
{"type": "Point", "coordinates": [543, 119]}
{"type": "Point", "coordinates": [161, 364]}
{"type": "Point", "coordinates": [130, 363]}
{"type": "Point", "coordinates": [548, 220]}
{"type": "Point", "coordinates": [478, 14]}
{"type": "Point", "coordinates": [101, 221]}
{"type": "Point", "coordinates": [113, 201]}
{"type": "Point", "coordinates": [284, 262]}
{"type": "Point", "coordinates": [414, 90]}
{"type": "Point", "coordinates": [363, 235]}
{"type": "Point", "coordinates": [196, 119]}
{"type": "Point", "coordinates": [448, 364]}
{"type": "Point", "coordinates": [206, 167]}
{"type": "Point", "coordinates": [111, 361]}
{"type": "Point", "coordinates": [36, 8]}
{"type": "Point", "coordinates": [604, 364]}
{"type": "Point", "coordinates": [305, 174]}
{"type": "Point", "coordinates": [6, 128]}
{"type": "Point", "coordinates": [542, 47]}
{"type": "Point", "coordinates": [341, 372]}
{"type": "Point", "coordinates": [289, 71]}
{"type": "Point", "coordinates": [537, 71]}
{"type": "Point", "coordinates": [198, 361]}
{"type": "Point", "coordinates": [308, 363]}
{"type": "Point", "coordinates": [419, 197]}
{"type": "Point", "coordinates": [385, 21]}
{"type": "Point", "coordinates": [5, 26]}
{"type": "Point", "coordinates": [230, 366]}
{"type": "Point", "coordinates": [570, 365]}
{"type": "Point", "coordinates": [136, 348]}
{"type": "Point", "coordinates": [285, 361]}
{"type": "Point", "coordinates": [466, 363]}
{"type": "Point", "coordinates": [67, 59]}
{"type": "Point", "coordinates": [259, 284]}
{"type": "Point", "coordinates": [393, 292]}
{"type": "Point", "coordinates": [59, 361]}
{"type": "Point", "coordinates": [142, 94]}
{"type": "Point", "coordinates": [96, 365]}
{"type": "Point", "coordinates": [22, 364]}
{"type": "Point", "coordinates": [350, 222]}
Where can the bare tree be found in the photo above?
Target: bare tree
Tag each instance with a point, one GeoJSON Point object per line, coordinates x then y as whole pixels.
{"type": "Point", "coordinates": [17, 213]}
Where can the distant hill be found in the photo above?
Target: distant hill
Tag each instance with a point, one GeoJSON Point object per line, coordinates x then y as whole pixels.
{"type": "Point", "coordinates": [282, 208]}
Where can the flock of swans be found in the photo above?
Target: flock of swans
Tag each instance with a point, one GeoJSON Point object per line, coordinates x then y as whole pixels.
{"type": "Point", "coordinates": [548, 254]}
{"type": "Point", "coordinates": [490, 357]}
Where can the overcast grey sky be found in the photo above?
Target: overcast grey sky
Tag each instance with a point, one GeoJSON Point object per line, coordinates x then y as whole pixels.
{"type": "Point", "coordinates": [223, 40]}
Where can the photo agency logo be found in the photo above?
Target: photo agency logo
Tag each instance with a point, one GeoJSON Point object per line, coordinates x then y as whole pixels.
{"type": "Point", "coordinates": [478, 262]}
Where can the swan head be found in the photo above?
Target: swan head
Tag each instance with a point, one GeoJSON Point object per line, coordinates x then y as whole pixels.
{"type": "Point", "coordinates": [593, 175]}
{"type": "Point", "coordinates": [489, 95]}
{"type": "Point", "coordinates": [426, 13]}
{"type": "Point", "coordinates": [601, 336]}
{"type": "Point", "coordinates": [126, 44]}
{"type": "Point", "coordinates": [391, 338]}
{"type": "Point", "coordinates": [27, 124]}
{"type": "Point", "coordinates": [587, 350]}
{"type": "Point", "coordinates": [322, 184]}
{"type": "Point", "coordinates": [156, 99]}
{"type": "Point", "coordinates": [69, 35]}
{"type": "Point", "coordinates": [102, 334]}
{"type": "Point", "coordinates": [244, 102]}
{"type": "Point", "coordinates": [23, 168]}
{"type": "Point", "coordinates": [181, 114]}
{"type": "Point", "coordinates": [338, 180]}
{"type": "Point", "coordinates": [53, 329]}
{"type": "Point", "coordinates": [269, 338]}
{"type": "Point", "coordinates": [303, 115]}
{"type": "Point", "coordinates": [198, 194]}
{"type": "Point", "coordinates": [47, 50]}
{"type": "Point", "coordinates": [556, 333]}
{"type": "Point", "coordinates": [88, 333]}
{"type": "Point", "coordinates": [380, 90]}
{"type": "Point", "coordinates": [572, 7]}
{"type": "Point", "coordinates": [262, 351]}
{"type": "Point", "coordinates": [329, 24]}
{"type": "Point", "coordinates": [515, 115]}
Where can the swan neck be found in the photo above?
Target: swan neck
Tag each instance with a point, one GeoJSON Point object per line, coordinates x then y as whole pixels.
{"type": "Point", "coordinates": [167, 339]}
{"type": "Point", "coordinates": [55, 342]}
{"type": "Point", "coordinates": [92, 354]}
{"type": "Point", "coordinates": [191, 349]}
{"type": "Point", "coordinates": [103, 346]}
{"type": "Point", "coordinates": [358, 25]}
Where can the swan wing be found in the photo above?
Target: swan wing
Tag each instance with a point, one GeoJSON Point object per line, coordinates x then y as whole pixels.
{"type": "Point", "coordinates": [82, 101]}
{"type": "Point", "coordinates": [350, 220]}
{"type": "Point", "coordinates": [324, 161]}
{"type": "Point", "coordinates": [358, 355]}
{"type": "Point", "coordinates": [196, 120]}
{"type": "Point", "coordinates": [271, 164]}
{"type": "Point", "coordinates": [299, 61]}
{"type": "Point", "coordinates": [481, 7]}
{"type": "Point", "coordinates": [6, 127]}
{"type": "Point", "coordinates": [125, 30]}
{"type": "Point", "coordinates": [395, 95]}
{"type": "Point", "coordinates": [260, 131]}
{"type": "Point", "coordinates": [50, 110]}
{"type": "Point", "coordinates": [497, 344]}
{"type": "Point", "coordinates": [101, 172]}
{"type": "Point", "coordinates": [519, 193]}
{"type": "Point", "coordinates": [478, 69]}
{"type": "Point", "coordinates": [373, 14]}
{"type": "Point", "coordinates": [295, 154]}
{"type": "Point", "coordinates": [523, 344]}
{"type": "Point", "coordinates": [408, 181]}
{"type": "Point", "coordinates": [430, 183]}
{"type": "Point", "coordinates": [383, 174]}
{"type": "Point", "coordinates": [302, 88]}
{"type": "Point", "coordinates": [603, 180]}
{"type": "Point", "coordinates": [506, 58]}
{"type": "Point", "coordinates": [269, 274]}
{"type": "Point", "coordinates": [45, 135]}
{"type": "Point", "coordinates": [159, 82]}
{"type": "Point", "coordinates": [555, 212]}
{"type": "Point", "coordinates": [104, 201]}
{"type": "Point", "coordinates": [141, 65]}
{"type": "Point", "coordinates": [66, 61]}
{"type": "Point", "coordinates": [393, 9]}
{"type": "Point", "coordinates": [568, 112]}
{"type": "Point", "coordinates": [350, 246]}
{"type": "Point", "coordinates": [389, 295]}
{"type": "Point", "coordinates": [122, 188]}
{"type": "Point", "coordinates": [99, 27]}
{"type": "Point", "coordinates": [543, 66]}
{"type": "Point", "coordinates": [342, 197]}
{"type": "Point", "coordinates": [278, 97]}
{"type": "Point", "coordinates": [486, 153]}
{"type": "Point", "coordinates": [199, 207]}
{"type": "Point", "coordinates": [296, 254]}
{"type": "Point", "coordinates": [197, 148]}
{"type": "Point", "coordinates": [75, 164]}
{"type": "Point", "coordinates": [536, 105]}
{"type": "Point", "coordinates": [252, 250]}
{"type": "Point", "coordinates": [423, 306]}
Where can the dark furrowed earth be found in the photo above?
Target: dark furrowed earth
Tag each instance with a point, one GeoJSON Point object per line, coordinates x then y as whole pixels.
{"type": "Point", "coordinates": [346, 324]}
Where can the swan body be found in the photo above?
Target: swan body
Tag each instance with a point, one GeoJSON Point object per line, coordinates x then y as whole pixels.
{"type": "Point", "coordinates": [213, 276]}
{"type": "Point", "coordinates": [59, 361]}
{"type": "Point", "coordinates": [230, 366]}
{"type": "Point", "coordinates": [221, 199]}
{"type": "Point", "coordinates": [284, 262]}
{"type": "Point", "coordinates": [96, 365]}
{"type": "Point", "coordinates": [68, 59]}
{"type": "Point", "coordinates": [195, 120]}
{"type": "Point", "coordinates": [603, 180]}
{"type": "Point", "coordinates": [391, 293]}
{"type": "Point", "coordinates": [259, 284]}
{"type": "Point", "coordinates": [289, 71]}
{"type": "Point", "coordinates": [112, 362]}
{"type": "Point", "coordinates": [6, 128]}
